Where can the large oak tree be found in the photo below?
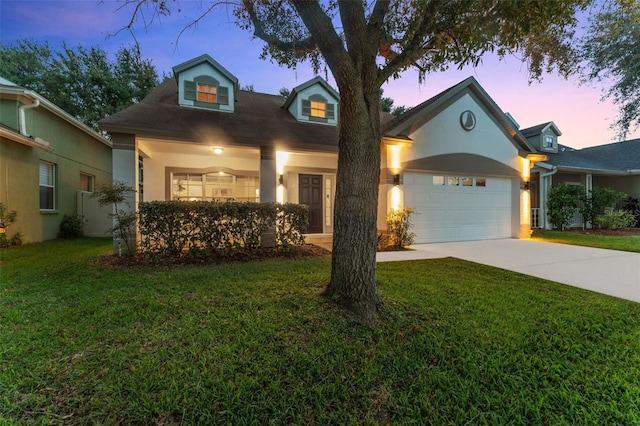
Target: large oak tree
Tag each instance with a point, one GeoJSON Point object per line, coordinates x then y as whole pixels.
{"type": "Point", "coordinates": [364, 43]}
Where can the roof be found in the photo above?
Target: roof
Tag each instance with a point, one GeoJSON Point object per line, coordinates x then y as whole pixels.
{"type": "Point", "coordinates": [9, 89]}
{"type": "Point", "coordinates": [536, 130]}
{"type": "Point", "coordinates": [301, 87]}
{"type": "Point", "coordinates": [258, 119]}
{"type": "Point", "coordinates": [614, 157]}
{"type": "Point", "coordinates": [205, 59]}
{"type": "Point", "coordinates": [404, 124]}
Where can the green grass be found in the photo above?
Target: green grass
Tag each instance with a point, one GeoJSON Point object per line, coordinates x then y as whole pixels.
{"type": "Point", "coordinates": [623, 243]}
{"type": "Point", "coordinates": [254, 343]}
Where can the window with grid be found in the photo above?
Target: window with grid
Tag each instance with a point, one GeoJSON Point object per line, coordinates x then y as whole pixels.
{"type": "Point", "coordinates": [47, 185]}
{"type": "Point", "coordinates": [207, 93]}
{"type": "Point", "coordinates": [318, 109]}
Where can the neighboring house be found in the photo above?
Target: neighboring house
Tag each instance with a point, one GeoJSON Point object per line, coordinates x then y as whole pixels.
{"type": "Point", "coordinates": [615, 165]}
{"type": "Point", "coordinates": [457, 159]}
{"type": "Point", "coordinates": [49, 165]}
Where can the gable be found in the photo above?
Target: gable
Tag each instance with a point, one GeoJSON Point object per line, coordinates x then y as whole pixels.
{"type": "Point", "coordinates": [314, 101]}
{"type": "Point", "coordinates": [203, 83]}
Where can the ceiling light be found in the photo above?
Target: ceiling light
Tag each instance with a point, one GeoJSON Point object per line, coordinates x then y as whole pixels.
{"type": "Point", "coordinates": [217, 150]}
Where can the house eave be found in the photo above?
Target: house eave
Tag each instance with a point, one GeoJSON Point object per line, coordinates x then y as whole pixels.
{"type": "Point", "coordinates": [22, 94]}
{"type": "Point", "coordinates": [17, 137]}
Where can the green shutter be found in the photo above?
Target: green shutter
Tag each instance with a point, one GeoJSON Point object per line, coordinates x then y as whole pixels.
{"type": "Point", "coordinates": [190, 90]}
{"type": "Point", "coordinates": [223, 95]}
{"type": "Point", "coordinates": [331, 111]}
{"type": "Point", "coordinates": [306, 107]}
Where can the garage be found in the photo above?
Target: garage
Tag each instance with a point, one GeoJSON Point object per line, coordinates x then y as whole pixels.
{"type": "Point", "coordinates": [456, 207]}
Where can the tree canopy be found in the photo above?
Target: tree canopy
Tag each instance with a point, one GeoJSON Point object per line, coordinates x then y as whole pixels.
{"type": "Point", "coordinates": [83, 82]}
{"type": "Point", "coordinates": [611, 49]}
{"type": "Point", "coordinates": [365, 43]}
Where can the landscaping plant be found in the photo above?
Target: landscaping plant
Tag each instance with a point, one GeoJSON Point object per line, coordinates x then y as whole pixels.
{"type": "Point", "coordinates": [399, 227]}
{"type": "Point", "coordinates": [71, 226]}
{"type": "Point", "coordinates": [562, 203]}
{"type": "Point", "coordinates": [7, 217]}
{"type": "Point", "coordinates": [118, 195]}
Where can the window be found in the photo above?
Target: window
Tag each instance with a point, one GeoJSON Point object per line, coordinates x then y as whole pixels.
{"type": "Point", "coordinates": [453, 181]}
{"type": "Point", "coordinates": [207, 93]}
{"type": "Point", "coordinates": [47, 186]}
{"type": "Point", "coordinates": [217, 186]}
{"type": "Point", "coordinates": [548, 142]}
{"type": "Point", "coordinates": [481, 182]}
{"type": "Point", "coordinates": [467, 181]}
{"type": "Point", "coordinates": [318, 109]}
{"type": "Point", "coordinates": [438, 180]}
{"type": "Point", "coordinates": [86, 182]}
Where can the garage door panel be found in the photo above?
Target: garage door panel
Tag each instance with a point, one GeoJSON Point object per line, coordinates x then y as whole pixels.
{"type": "Point", "coordinates": [458, 213]}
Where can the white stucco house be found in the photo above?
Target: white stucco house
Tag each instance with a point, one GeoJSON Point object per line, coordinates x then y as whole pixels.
{"type": "Point", "coordinates": [457, 158]}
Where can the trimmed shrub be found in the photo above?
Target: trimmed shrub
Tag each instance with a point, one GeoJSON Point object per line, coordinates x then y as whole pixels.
{"type": "Point", "coordinates": [399, 228]}
{"type": "Point", "coordinates": [204, 227]}
{"type": "Point", "coordinates": [614, 219]}
{"type": "Point", "coordinates": [71, 227]}
{"type": "Point", "coordinates": [562, 204]}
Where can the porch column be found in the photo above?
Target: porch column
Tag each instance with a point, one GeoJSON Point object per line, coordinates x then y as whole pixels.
{"type": "Point", "coordinates": [588, 187]}
{"type": "Point", "coordinates": [125, 169]}
{"type": "Point", "coordinates": [268, 186]}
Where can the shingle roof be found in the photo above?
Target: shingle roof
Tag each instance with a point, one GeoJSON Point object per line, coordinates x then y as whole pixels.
{"type": "Point", "coordinates": [618, 157]}
{"type": "Point", "coordinates": [259, 119]}
{"type": "Point", "coordinates": [536, 130]}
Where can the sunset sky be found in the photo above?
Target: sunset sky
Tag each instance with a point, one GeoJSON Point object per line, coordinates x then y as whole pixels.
{"type": "Point", "coordinates": [577, 110]}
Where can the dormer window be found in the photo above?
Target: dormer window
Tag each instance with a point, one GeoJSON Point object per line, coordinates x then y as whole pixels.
{"type": "Point", "coordinates": [317, 108]}
{"type": "Point", "coordinates": [548, 142]}
{"type": "Point", "coordinates": [207, 93]}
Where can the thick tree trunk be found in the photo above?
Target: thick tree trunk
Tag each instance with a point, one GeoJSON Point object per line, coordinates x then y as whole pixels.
{"type": "Point", "coordinates": [353, 269]}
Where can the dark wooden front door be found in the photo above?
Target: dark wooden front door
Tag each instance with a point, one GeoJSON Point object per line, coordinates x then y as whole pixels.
{"type": "Point", "coordinates": [311, 195]}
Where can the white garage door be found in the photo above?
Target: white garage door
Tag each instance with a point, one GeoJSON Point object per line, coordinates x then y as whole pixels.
{"type": "Point", "coordinates": [458, 207]}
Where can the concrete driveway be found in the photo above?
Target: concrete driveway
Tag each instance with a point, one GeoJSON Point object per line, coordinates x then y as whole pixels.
{"type": "Point", "coordinates": [616, 273]}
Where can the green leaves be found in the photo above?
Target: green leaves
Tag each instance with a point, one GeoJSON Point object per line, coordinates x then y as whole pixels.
{"type": "Point", "coordinates": [83, 82]}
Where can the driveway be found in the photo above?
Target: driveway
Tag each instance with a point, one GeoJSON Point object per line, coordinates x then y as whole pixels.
{"type": "Point", "coordinates": [616, 273]}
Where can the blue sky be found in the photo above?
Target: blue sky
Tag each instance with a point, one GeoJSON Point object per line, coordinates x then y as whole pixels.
{"type": "Point", "coordinates": [576, 110]}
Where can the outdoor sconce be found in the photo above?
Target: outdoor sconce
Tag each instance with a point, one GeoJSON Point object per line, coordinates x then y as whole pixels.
{"type": "Point", "coordinates": [524, 185]}
{"type": "Point", "coordinates": [3, 229]}
{"type": "Point", "coordinates": [281, 180]}
{"type": "Point", "coordinates": [396, 180]}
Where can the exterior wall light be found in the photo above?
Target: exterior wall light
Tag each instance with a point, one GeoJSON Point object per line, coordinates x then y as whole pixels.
{"type": "Point", "coordinates": [281, 180]}
{"type": "Point", "coordinates": [524, 185]}
{"type": "Point", "coordinates": [396, 180]}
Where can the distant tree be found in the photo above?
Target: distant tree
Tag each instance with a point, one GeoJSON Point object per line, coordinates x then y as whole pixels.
{"type": "Point", "coordinates": [399, 110]}
{"type": "Point", "coordinates": [284, 92]}
{"type": "Point", "coordinates": [364, 43]}
{"type": "Point", "coordinates": [83, 82]}
{"type": "Point", "coordinates": [611, 49]}
{"type": "Point", "coordinates": [248, 88]}
{"type": "Point", "coordinates": [386, 105]}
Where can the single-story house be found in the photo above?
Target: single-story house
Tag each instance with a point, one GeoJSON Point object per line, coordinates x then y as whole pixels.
{"type": "Point", "coordinates": [49, 163]}
{"type": "Point", "coordinates": [614, 165]}
{"type": "Point", "coordinates": [457, 159]}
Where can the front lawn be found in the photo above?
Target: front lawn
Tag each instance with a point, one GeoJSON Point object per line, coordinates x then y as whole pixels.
{"type": "Point", "coordinates": [254, 343]}
{"type": "Point", "coordinates": [611, 242]}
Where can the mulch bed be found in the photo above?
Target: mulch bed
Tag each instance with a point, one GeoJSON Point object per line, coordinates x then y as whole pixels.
{"type": "Point", "coordinates": [172, 260]}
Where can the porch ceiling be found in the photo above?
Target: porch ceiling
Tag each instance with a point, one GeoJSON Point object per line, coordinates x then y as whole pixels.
{"type": "Point", "coordinates": [149, 146]}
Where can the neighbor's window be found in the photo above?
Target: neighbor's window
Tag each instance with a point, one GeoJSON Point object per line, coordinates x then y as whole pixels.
{"type": "Point", "coordinates": [548, 141]}
{"type": "Point", "coordinates": [47, 185]}
{"type": "Point", "coordinates": [86, 182]}
{"type": "Point", "coordinates": [438, 180]}
{"type": "Point", "coordinates": [207, 93]}
{"type": "Point", "coordinates": [453, 181]}
{"type": "Point", "coordinates": [481, 182]}
{"type": "Point", "coordinates": [318, 109]}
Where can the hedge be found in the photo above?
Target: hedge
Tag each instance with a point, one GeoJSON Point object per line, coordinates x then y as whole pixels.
{"type": "Point", "coordinates": [204, 227]}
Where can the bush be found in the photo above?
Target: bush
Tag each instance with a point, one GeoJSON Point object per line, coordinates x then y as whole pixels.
{"type": "Point", "coordinates": [595, 203]}
{"type": "Point", "coordinates": [632, 206]}
{"type": "Point", "coordinates": [562, 204]}
{"type": "Point", "coordinates": [71, 227]}
{"type": "Point", "coordinates": [399, 228]}
{"type": "Point", "coordinates": [614, 219]}
{"type": "Point", "coordinates": [204, 227]}
{"type": "Point", "coordinates": [7, 217]}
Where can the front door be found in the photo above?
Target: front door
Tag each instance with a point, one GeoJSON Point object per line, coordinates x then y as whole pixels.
{"type": "Point", "coordinates": [311, 195]}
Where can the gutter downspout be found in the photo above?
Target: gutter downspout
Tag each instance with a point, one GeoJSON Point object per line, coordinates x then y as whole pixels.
{"type": "Point", "coordinates": [543, 195]}
{"type": "Point", "coordinates": [22, 119]}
